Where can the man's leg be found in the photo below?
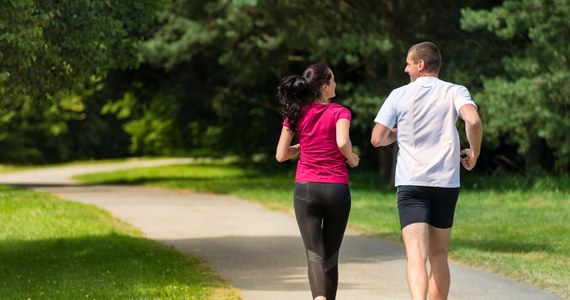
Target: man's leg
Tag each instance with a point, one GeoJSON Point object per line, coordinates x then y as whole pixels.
{"type": "Point", "coordinates": [417, 246]}
{"type": "Point", "coordinates": [439, 278]}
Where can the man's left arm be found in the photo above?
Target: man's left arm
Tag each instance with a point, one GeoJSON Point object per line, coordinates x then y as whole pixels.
{"type": "Point", "coordinates": [474, 132]}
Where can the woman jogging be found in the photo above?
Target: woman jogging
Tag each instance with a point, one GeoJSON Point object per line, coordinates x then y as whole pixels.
{"type": "Point", "coordinates": [322, 195]}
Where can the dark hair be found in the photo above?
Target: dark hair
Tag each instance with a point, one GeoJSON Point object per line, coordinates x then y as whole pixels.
{"type": "Point", "coordinates": [429, 53]}
{"type": "Point", "coordinates": [297, 91]}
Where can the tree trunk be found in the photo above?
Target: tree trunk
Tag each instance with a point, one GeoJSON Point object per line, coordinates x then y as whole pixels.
{"type": "Point", "coordinates": [533, 157]}
{"type": "Point", "coordinates": [387, 164]}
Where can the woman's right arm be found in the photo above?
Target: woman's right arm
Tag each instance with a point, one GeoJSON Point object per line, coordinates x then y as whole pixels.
{"type": "Point", "coordinates": [343, 142]}
{"type": "Point", "coordinates": [285, 150]}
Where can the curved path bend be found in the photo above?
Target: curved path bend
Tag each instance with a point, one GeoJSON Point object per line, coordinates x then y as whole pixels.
{"type": "Point", "coordinates": [259, 251]}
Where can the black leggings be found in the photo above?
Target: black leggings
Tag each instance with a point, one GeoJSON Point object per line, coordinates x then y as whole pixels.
{"type": "Point", "coordinates": [322, 211]}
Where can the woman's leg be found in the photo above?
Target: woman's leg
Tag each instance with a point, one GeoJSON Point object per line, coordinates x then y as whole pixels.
{"type": "Point", "coordinates": [322, 211]}
{"type": "Point", "coordinates": [309, 213]}
{"type": "Point", "coordinates": [337, 209]}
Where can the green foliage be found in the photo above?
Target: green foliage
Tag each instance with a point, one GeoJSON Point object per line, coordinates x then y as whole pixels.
{"type": "Point", "coordinates": [528, 101]}
{"type": "Point", "coordinates": [226, 58]}
{"type": "Point", "coordinates": [239, 50]}
{"type": "Point", "coordinates": [207, 73]}
{"type": "Point", "coordinates": [51, 54]}
{"type": "Point", "coordinates": [50, 46]}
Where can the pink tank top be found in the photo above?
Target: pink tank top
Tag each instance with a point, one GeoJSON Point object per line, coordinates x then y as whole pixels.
{"type": "Point", "coordinates": [320, 159]}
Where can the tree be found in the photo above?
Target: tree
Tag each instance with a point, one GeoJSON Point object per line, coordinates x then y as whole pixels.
{"type": "Point", "coordinates": [223, 60]}
{"type": "Point", "coordinates": [528, 102]}
{"type": "Point", "coordinates": [51, 52]}
{"type": "Point", "coordinates": [226, 58]}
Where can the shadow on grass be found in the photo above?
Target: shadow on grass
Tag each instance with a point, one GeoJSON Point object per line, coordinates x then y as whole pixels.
{"type": "Point", "coordinates": [102, 267]}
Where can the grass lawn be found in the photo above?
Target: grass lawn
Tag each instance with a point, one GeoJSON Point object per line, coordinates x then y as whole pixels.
{"type": "Point", "coordinates": [54, 249]}
{"type": "Point", "coordinates": [509, 225]}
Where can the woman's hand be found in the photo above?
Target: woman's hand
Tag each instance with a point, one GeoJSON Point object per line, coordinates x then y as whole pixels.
{"type": "Point", "coordinates": [353, 160]}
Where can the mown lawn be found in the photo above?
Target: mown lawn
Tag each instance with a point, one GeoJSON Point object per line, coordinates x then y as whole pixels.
{"type": "Point", "coordinates": [54, 249]}
{"type": "Point", "coordinates": [510, 225]}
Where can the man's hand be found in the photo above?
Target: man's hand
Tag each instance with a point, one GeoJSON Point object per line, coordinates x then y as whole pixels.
{"type": "Point", "coordinates": [468, 159]}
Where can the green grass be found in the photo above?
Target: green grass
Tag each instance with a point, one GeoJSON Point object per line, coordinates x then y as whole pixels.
{"type": "Point", "coordinates": [12, 168]}
{"type": "Point", "coordinates": [509, 225]}
{"type": "Point", "coordinates": [522, 234]}
{"type": "Point", "coordinates": [7, 168]}
{"type": "Point", "coordinates": [54, 249]}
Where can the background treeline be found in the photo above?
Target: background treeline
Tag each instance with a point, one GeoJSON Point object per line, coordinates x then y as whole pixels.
{"type": "Point", "coordinates": [84, 79]}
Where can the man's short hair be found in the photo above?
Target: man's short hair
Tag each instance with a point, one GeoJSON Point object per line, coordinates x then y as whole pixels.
{"type": "Point", "coordinates": [429, 53]}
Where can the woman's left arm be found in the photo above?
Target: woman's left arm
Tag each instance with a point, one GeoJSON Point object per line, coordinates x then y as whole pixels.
{"type": "Point", "coordinates": [344, 144]}
{"type": "Point", "coordinates": [285, 150]}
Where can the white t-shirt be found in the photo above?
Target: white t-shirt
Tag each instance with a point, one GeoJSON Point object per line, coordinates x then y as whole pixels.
{"type": "Point", "coordinates": [425, 112]}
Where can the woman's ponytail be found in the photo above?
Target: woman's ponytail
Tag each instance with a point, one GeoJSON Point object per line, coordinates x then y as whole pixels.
{"type": "Point", "coordinates": [293, 96]}
{"type": "Point", "coordinates": [297, 91]}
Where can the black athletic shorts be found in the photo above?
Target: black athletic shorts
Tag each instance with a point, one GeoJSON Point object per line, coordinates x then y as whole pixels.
{"type": "Point", "coordinates": [432, 205]}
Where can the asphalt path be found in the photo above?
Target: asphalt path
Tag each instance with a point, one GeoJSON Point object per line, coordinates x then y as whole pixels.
{"type": "Point", "coordinates": [259, 251]}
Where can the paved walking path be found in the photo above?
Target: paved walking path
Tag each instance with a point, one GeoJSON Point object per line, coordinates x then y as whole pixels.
{"type": "Point", "coordinates": [258, 250]}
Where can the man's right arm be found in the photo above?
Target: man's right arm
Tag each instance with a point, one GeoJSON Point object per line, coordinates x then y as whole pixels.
{"type": "Point", "coordinates": [382, 135]}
